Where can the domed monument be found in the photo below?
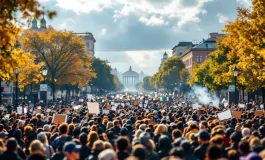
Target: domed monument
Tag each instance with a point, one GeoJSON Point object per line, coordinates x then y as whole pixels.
{"type": "Point", "coordinates": [130, 78]}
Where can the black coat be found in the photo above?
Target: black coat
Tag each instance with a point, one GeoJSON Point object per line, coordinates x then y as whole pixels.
{"type": "Point", "coordinates": [10, 156]}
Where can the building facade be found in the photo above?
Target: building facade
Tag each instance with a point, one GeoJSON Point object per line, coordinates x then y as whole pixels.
{"type": "Point", "coordinates": [165, 57]}
{"type": "Point", "coordinates": [89, 41]}
{"type": "Point", "coordinates": [199, 53]}
{"type": "Point", "coordinates": [179, 49]}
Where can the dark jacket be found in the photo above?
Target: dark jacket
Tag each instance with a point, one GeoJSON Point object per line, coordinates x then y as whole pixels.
{"type": "Point", "coordinates": [122, 155]}
{"type": "Point", "coordinates": [233, 145]}
{"type": "Point", "coordinates": [200, 151]}
{"type": "Point", "coordinates": [85, 151]}
{"type": "Point", "coordinates": [58, 156]}
{"type": "Point", "coordinates": [10, 156]}
{"type": "Point", "coordinates": [94, 155]}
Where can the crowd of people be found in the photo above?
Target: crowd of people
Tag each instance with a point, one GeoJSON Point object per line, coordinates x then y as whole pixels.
{"type": "Point", "coordinates": [139, 128]}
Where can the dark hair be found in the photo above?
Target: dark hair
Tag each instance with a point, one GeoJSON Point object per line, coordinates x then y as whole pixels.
{"type": "Point", "coordinates": [164, 142]}
{"type": "Point", "coordinates": [110, 134]}
{"type": "Point", "coordinates": [11, 144]}
{"type": "Point", "coordinates": [83, 138]}
{"type": "Point", "coordinates": [244, 147]}
{"type": "Point", "coordinates": [63, 128]}
{"type": "Point", "coordinates": [214, 152]}
{"type": "Point", "coordinates": [178, 152]}
{"type": "Point", "coordinates": [176, 133]}
{"type": "Point", "coordinates": [140, 152]}
{"type": "Point", "coordinates": [122, 143]}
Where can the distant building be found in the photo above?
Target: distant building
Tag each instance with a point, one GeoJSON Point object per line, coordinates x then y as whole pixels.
{"type": "Point", "coordinates": [89, 41]}
{"type": "Point", "coordinates": [142, 76]}
{"type": "Point", "coordinates": [199, 53]}
{"type": "Point", "coordinates": [179, 49]}
{"type": "Point", "coordinates": [34, 24]}
{"type": "Point", "coordinates": [165, 57]}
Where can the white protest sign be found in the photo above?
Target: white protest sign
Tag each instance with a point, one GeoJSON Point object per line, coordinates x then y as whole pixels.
{"type": "Point", "coordinates": [211, 104]}
{"type": "Point", "coordinates": [146, 101]}
{"type": "Point", "coordinates": [113, 108]}
{"type": "Point", "coordinates": [2, 108]}
{"type": "Point", "coordinates": [224, 115]}
{"type": "Point", "coordinates": [145, 105]}
{"type": "Point", "coordinates": [175, 106]}
{"type": "Point", "coordinates": [93, 107]}
{"type": "Point", "coordinates": [19, 110]}
{"type": "Point", "coordinates": [195, 106]}
{"type": "Point", "coordinates": [25, 110]}
{"type": "Point", "coordinates": [141, 105]}
{"type": "Point", "coordinates": [112, 103]}
{"type": "Point", "coordinates": [147, 111]}
{"type": "Point", "coordinates": [105, 111]}
{"type": "Point", "coordinates": [241, 105]}
{"type": "Point", "coordinates": [226, 104]}
{"type": "Point", "coordinates": [122, 104]}
{"type": "Point", "coordinates": [116, 104]}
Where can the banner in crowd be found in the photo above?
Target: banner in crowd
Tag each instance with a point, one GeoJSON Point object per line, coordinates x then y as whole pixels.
{"type": "Point", "coordinates": [59, 118]}
{"type": "Point", "coordinates": [224, 115]}
{"type": "Point", "coordinates": [93, 107]}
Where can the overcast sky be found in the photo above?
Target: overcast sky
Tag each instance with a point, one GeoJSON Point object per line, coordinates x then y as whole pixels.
{"type": "Point", "coordinates": [138, 32]}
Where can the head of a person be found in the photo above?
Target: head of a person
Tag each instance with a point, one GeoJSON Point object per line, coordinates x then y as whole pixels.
{"type": "Point", "coordinates": [98, 145]}
{"type": "Point", "coordinates": [213, 152]}
{"type": "Point", "coordinates": [122, 144]}
{"type": "Point", "coordinates": [161, 128]}
{"type": "Point", "coordinates": [164, 142]}
{"type": "Point", "coordinates": [140, 152]}
{"type": "Point", "coordinates": [217, 140]}
{"type": "Point", "coordinates": [110, 124]}
{"type": "Point", "coordinates": [110, 134]}
{"type": "Point", "coordinates": [107, 145]}
{"type": "Point", "coordinates": [144, 139]}
{"type": "Point", "coordinates": [203, 136]}
{"type": "Point", "coordinates": [92, 137]}
{"type": "Point", "coordinates": [83, 138]}
{"type": "Point", "coordinates": [143, 127]}
{"type": "Point", "coordinates": [244, 147]}
{"type": "Point", "coordinates": [245, 132]}
{"type": "Point", "coordinates": [107, 154]}
{"type": "Point", "coordinates": [42, 138]}
{"type": "Point", "coordinates": [233, 154]}
{"type": "Point", "coordinates": [36, 146]}
{"type": "Point", "coordinates": [11, 144]}
{"type": "Point", "coordinates": [20, 123]}
{"type": "Point", "coordinates": [46, 128]}
{"type": "Point", "coordinates": [255, 142]}
{"type": "Point", "coordinates": [137, 134]}
{"type": "Point", "coordinates": [176, 133]}
{"type": "Point", "coordinates": [203, 125]}
{"type": "Point", "coordinates": [186, 146]}
{"type": "Point", "coordinates": [63, 128]}
{"type": "Point", "coordinates": [71, 150]}
{"type": "Point", "coordinates": [18, 134]}
{"type": "Point", "coordinates": [177, 153]}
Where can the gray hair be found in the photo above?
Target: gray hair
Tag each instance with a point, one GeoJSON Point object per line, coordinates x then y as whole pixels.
{"type": "Point", "coordinates": [107, 154]}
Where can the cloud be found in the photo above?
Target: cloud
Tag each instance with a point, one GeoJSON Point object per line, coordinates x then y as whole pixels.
{"type": "Point", "coordinates": [153, 21]}
{"type": "Point", "coordinates": [84, 6]}
{"type": "Point", "coordinates": [103, 32]}
{"type": "Point", "coordinates": [179, 12]}
{"type": "Point", "coordinates": [141, 60]}
{"type": "Point", "coordinates": [246, 3]}
{"type": "Point", "coordinates": [222, 18]}
{"type": "Point", "coordinates": [67, 24]}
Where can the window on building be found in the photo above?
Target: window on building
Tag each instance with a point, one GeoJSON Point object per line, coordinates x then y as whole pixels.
{"type": "Point", "coordinates": [206, 57]}
{"type": "Point", "coordinates": [197, 59]}
{"type": "Point", "coordinates": [200, 58]}
{"type": "Point", "coordinates": [207, 45]}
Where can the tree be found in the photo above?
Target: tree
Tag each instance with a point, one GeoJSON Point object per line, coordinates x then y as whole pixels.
{"type": "Point", "coordinates": [118, 85]}
{"type": "Point", "coordinates": [137, 85]}
{"type": "Point", "coordinates": [146, 85]}
{"type": "Point", "coordinates": [171, 72]}
{"type": "Point", "coordinates": [64, 55]}
{"type": "Point", "coordinates": [11, 27]}
{"type": "Point", "coordinates": [104, 79]}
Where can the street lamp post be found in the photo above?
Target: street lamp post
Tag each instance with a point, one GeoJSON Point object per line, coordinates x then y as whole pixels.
{"type": "Point", "coordinates": [16, 71]}
{"type": "Point", "coordinates": [43, 87]}
{"type": "Point", "coordinates": [235, 72]}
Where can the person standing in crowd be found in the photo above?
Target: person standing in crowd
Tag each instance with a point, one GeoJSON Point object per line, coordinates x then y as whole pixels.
{"type": "Point", "coordinates": [11, 152]}
{"type": "Point", "coordinates": [122, 146]}
{"type": "Point", "coordinates": [203, 139]}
